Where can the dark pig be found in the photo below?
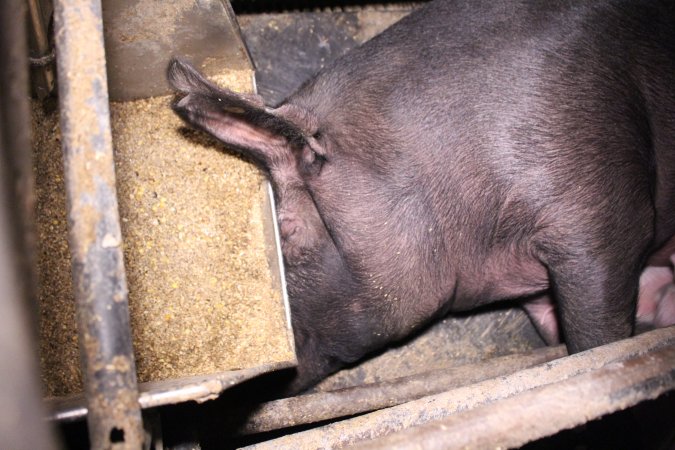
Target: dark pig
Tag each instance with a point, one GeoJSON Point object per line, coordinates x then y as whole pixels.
{"type": "Point", "coordinates": [476, 151]}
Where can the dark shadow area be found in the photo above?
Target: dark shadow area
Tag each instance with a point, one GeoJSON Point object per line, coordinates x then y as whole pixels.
{"type": "Point", "coordinates": [649, 425]}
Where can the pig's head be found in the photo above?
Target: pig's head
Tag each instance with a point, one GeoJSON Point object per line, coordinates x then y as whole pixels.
{"type": "Point", "coordinates": [334, 241]}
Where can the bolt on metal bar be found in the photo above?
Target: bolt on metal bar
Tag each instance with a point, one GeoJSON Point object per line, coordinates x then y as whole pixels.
{"type": "Point", "coordinates": [95, 241]}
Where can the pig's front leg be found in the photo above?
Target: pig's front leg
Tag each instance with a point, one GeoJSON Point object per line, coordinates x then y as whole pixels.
{"type": "Point", "coordinates": [594, 260]}
{"type": "Point", "coordinates": [596, 305]}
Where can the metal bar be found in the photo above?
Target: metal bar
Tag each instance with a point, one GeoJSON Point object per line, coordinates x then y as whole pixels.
{"type": "Point", "coordinates": [153, 394]}
{"type": "Point", "coordinates": [437, 407]}
{"type": "Point", "coordinates": [517, 420]}
{"type": "Point", "coordinates": [21, 423]}
{"type": "Point", "coordinates": [44, 73]}
{"type": "Point", "coordinates": [95, 240]}
{"type": "Point", "coordinates": [313, 408]}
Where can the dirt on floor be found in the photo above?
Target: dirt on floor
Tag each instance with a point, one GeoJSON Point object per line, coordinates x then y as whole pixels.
{"type": "Point", "coordinates": [201, 295]}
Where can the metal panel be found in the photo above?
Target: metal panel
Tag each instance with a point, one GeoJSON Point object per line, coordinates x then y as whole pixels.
{"type": "Point", "coordinates": [141, 36]}
{"type": "Point", "coordinates": [167, 392]}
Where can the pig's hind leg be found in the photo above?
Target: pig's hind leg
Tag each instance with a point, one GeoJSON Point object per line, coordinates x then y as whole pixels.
{"type": "Point", "coordinates": [594, 258]}
{"type": "Point", "coordinates": [656, 305]}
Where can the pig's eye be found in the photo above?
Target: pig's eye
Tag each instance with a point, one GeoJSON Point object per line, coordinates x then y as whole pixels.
{"type": "Point", "coordinates": [312, 161]}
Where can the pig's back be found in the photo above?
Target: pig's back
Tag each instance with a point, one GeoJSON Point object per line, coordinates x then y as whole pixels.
{"type": "Point", "coordinates": [533, 100]}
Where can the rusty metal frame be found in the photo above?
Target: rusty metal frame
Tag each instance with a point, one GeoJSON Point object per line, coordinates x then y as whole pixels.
{"type": "Point", "coordinates": [95, 239]}
{"type": "Point", "coordinates": [517, 420]}
{"type": "Point", "coordinates": [609, 378]}
{"type": "Point", "coordinates": [322, 406]}
{"type": "Point", "coordinates": [94, 236]}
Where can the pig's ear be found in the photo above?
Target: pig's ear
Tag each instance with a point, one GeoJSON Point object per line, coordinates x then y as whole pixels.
{"type": "Point", "coordinates": [239, 121]}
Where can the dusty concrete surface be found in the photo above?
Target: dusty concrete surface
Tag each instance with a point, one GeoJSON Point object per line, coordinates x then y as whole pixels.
{"type": "Point", "coordinates": [290, 48]}
{"type": "Point", "coordinates": [452, 342]}
{"type": "Point", "coordinates": [200, 291]}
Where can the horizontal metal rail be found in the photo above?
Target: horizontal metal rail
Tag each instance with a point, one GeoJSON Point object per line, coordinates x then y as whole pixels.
{"type": "Point", "coordinates": [650, 353]}
{"type": "Point", "coordinates": [543, 411]}
{"type": "Point", "coordinates": [312, 408]}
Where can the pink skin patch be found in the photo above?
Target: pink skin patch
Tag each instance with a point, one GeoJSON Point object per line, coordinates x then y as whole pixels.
{"type": "Point", "coordinates": [665, 312]}
{"type": "Point", "coordinates": [542, 313]}
{"type": "Point", "coordinates": [656, 304]}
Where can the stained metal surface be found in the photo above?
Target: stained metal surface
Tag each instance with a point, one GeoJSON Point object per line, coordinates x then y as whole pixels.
{"type": "Point", "coordinates": [312, 408]}
{"type": "Point", "coordinates": [516, 420]}
{"type": "Point", "coordinates": [114, 417]}
{"type": "Point", "coordinates": [167, 392]}
{"type": "Point", "coordinates": [650, 354]}
{"type": "Point", "coordinates": [275, 259]}
{"type": "Point", "coordinates": [21, 425]}
{"type": "Point", "coordinates": [142, 35]}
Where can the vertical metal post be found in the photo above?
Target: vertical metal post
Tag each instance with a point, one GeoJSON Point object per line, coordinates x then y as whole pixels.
{"type": "Point", "coordinates": [21, 417]}
{"type": "Point", "coordinates": [95, 240]}
{"type": "Point", "coordinates": [43, 74]}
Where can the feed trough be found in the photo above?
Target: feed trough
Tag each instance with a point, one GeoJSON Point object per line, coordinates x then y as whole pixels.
{"type": "Point", "coordinates": [201, 259]}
